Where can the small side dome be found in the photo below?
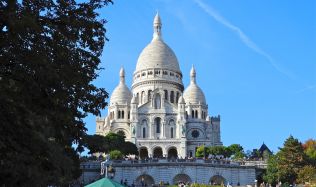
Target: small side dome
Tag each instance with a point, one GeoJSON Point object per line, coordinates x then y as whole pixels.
{"type": "Point", "coordinates": [193, 93]}
{"type": "Point", "coordinates": [121, 93]}
{"type": "Point", "coordinates": [181, 100]}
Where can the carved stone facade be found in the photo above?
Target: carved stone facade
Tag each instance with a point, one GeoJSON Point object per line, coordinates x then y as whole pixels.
{"type": "Point", "coordinates": [158, 115]}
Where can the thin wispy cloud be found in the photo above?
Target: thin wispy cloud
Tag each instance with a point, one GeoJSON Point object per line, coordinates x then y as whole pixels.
{"type": "Point", "coordinates": [307, 88]}
{"type": "Point", "coordinates": [242, 36]}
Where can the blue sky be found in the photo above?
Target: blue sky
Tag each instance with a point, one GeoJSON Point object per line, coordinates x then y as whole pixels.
{"type": "Point", "coordinates": [255, 61]}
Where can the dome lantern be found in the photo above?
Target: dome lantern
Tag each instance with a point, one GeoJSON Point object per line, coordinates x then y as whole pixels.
{"type": "Point", "coordinates": [157, 27]}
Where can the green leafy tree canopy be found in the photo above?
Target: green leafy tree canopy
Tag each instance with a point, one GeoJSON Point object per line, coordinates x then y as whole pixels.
{"type": "Point", "coordinates": [50, 54]}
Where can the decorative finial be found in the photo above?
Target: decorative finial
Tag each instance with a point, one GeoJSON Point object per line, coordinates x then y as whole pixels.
{"type": "Point", "coordinates": [157, 26]}
{"type": "Point", "coordinates": [193, 74]}
{"type": "Point", "coordinates": [122, 75]}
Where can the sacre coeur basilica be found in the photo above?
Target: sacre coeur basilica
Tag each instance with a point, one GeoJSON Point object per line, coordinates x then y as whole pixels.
{"type": "Point", "coordinates": [167, 122]}
{"type": "Point", "coordinates": [158, 114]}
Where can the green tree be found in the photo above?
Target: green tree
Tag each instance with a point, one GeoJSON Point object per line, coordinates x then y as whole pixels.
{"type": "Point", "coordinates": [200, 151]}
{"type": "Point", "coordinates": [271, 176]}
{"type": "Point", "coordinates": [306, 174]}
{"type": "Point", "coordinates": [291, 158]}
{"type": "Point", "coordinates": [110, 142]}
{"type": "Point", "coordinates": [235, 150]}
{"type": "Point", "coordinates": [129, 148]}
{"type": "Point", "coordinates": [50, 54]}
{"type": "Point", "coordinates": [219, 150]}
{"type": "Point", "coordinates": [115, 141]}
{"type": "Point", "coordinates": [116, 155]}
{"type": "Point", "coordinates": [96, 143]}
{"type": "Point", "coordinates": [310, 150]}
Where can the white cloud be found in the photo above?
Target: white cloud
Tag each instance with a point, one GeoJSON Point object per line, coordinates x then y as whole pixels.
{"type": "Point", "coordinates": [242, 36]}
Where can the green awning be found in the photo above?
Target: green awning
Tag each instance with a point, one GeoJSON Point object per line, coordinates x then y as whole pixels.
{"type": "Point", "coordinates": [105, 182]}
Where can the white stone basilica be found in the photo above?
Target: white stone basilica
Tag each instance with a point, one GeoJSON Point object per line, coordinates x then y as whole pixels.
{"type": "Point", "coordinates": [157, 114]}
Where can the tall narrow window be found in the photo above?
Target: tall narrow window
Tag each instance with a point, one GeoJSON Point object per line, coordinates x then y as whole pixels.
{"type": "Point", "coordinates": [144, 132]}
{"type": "Point", "coordinates": [142, 97]}
{"type": "Point", "coordinates": [157, 122]}
{"type": "Point", "coordinates": [122, 114]}
{"type": "Point", "coordinates": [128, 115]}
{"type": "Point", "coordinates": [149, 95]}
{"type": "Point", "coordinates": [171, 132]}
{"type": "Point", "coordinates": [166, 94]}
{"type": "Point", "coordinates": [172, 96]}
{"type": "Point", "coordinates": [157, 103]}
{"type": "Point", "coordinates": [119, 114]}
{"type": "Point", "coordinates": [196, 114]}
{"type": "Point", "coordinates": [192, 113]}
{"type": "Point", "coordinates": [177, 98]}
{"type": "Point", "coordinates": [137, 96]}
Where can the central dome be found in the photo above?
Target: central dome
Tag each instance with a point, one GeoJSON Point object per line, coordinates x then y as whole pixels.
{"type": "Point", "coordinates": [157, 54]}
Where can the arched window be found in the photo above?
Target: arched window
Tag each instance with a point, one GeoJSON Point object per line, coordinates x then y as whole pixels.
{"type": "Point", "coordinates": [177, 98]}
{"type": "Point", "coordinates": [172, 96]}
{"type": "Point", "coordinates": [157, 103]}
{"type": "Point", "coordinates": [171, 132]}
{"type": "Point", "coordinates": [186, 115]}
{"type": "Point", "coordinates": [166, 94]}
{"type": "Point", "coordinates": [119, 114]}
{"type": "Point", "coordinates": [144, 125]}
{"type": "Point", "coordinates": [157, 123]}
{"type": "Point", "coordinates": [192, 113]}
{"type": "Point", "coordinates": [196, 114]}
{"type": "Point", "coordinates": [128, 115]}
{"type": "Point", "coordinates": [144, 132]}
{"type": "Point", "coordinates": [149, 95]}
{"type": "Point", "coordinates": [122, 114]}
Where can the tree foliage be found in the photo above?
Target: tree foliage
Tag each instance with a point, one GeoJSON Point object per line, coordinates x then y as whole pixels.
{"type": "Point", "coordinates": [234, 150]}
{"type": "Point", "coordinates": [310, 150]}
{"type": "Point", "coordinates": [271, 175]}
{"type": "Point", "coordinates": [307, 174]}
{"type": "Point", "coordinates": [116, 155]}
{"type": "Point", "coordinates": [291, 159]}
{"type": "Point", "coordinates": [290, 164]}
{"type": "Point", "coordinates": [49, 56]}
{"type": "Point", "coordinates": [108, 143]}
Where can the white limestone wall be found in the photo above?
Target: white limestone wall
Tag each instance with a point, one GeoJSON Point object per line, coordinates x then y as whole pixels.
{"type": "Point", "coordinates": [199, 174]}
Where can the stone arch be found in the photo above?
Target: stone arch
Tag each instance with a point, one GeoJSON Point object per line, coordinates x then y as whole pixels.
{"type": "Point", "coordinates": [121, 131]}
{"type": "Point", "coordinates": [217, 180]}
{"type": "Point", "coordinates": [172, 152]}
{"type": "Point", "coordinates": [157, 152]}
{"type": "Point", "coordinates": [143, 152]}
{"type": "Point", "coordinates": [145, 180]}
{"type": "Point", "coordinates": [181, 178]}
